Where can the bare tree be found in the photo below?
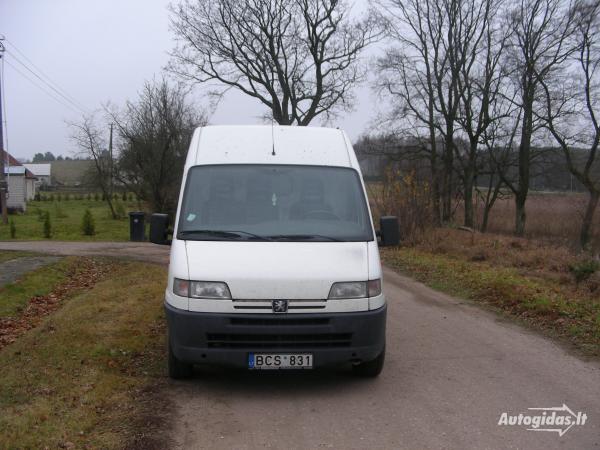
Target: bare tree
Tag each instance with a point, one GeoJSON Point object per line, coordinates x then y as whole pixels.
{"type": "Point", "coordinates": [477, 51]}
{"type": "Point", "coordinates": [571, 114]}
{"type": "Point", "coordinates": [90, 138]}
{"type": "Point", "coordinates": [499, 155]}
{"type": "Point", "coordinates": [154, 135]}
{"type": "Point", "coordinates": [299, 58]}
{"type": "Point", "coordinates": [540, 42]}
{"type": "Point", "coordinates": [415, 72]}
{"type": "Point", "coordinates": [444, 74]}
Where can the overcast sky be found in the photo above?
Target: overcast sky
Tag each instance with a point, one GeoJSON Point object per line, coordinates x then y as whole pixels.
{"type": "Point", "coordinates": [99, 51]}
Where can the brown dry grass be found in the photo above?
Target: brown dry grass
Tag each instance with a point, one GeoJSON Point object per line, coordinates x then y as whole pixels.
{"type": "Point", "coordinates": [531, 280]}
{"type": "Point", "coordinates": [550, 216]}
{"type": "Point", "coordinates": [530, 257]}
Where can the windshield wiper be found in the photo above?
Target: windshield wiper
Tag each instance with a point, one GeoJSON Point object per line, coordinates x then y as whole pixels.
{"type": "Point", "coordinates": [225, 234]}
{"type": "Point", "coordinates": [304, 237]}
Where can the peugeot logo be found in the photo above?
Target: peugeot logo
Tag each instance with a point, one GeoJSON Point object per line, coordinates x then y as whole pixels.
{"type": "Point", "coordinates": [280, 306]}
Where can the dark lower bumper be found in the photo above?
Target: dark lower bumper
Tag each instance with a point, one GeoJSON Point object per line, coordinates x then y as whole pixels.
{"type": "Point", "coordinates": [226, 339]}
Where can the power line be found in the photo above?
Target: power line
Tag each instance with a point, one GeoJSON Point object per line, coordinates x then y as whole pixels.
{"type": "Point", "coordinates": [44, 74]}
{"type": "Point", "coordinates": [45, 82]}
{"type": "Point", "coordinates": [40, 87]}
{"type": "Point", "coordinates": [65, 96]}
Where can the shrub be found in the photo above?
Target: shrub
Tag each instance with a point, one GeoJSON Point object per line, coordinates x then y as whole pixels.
{"type": "Point", "coordinates": [89, 196]}
{"type": "Point", "coordinates": [584, 269]}
{"type": "Point", "coordinates": [404, 195]}
{"type": "Point", "coordinates": [13, 229]}
{"type": "Point", "coordinates": [131, 198]}
{"type": "Point", "coordinates": [124, 196]}
{"type": "Point", "coordinates": [40, 214]}
{"type": "Point", "coordinates": [37, 197]}
{"type": "Point", "coordinates": [51, 197]}
{"type": "Point", "coordinates": [58, 197]}
{"type": "Point", "coordinates": [88, 227]}
{"type": "Point", "coordinates": [47, 229]}
{"type": "Point", "coordinates": [96, 196]}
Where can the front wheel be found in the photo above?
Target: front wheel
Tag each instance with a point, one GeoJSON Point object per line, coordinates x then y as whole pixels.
{"type": "Point", "coordinates": [178, 369]}
{"type": "Point", "coordinates": [370, 369]}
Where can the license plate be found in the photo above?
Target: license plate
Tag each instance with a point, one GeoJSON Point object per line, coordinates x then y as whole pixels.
{"type": "Point", "coordinates": [265, 361]}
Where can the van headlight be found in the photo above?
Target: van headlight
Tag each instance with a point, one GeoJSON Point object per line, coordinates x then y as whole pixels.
{"type": "Point", "coordinates": [355, 289]}
{"type": "Point", "coordinates": [216, 290]}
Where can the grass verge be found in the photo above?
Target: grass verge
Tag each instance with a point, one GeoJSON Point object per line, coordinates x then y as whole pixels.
{"type": "Point", "coordinates": [82, 378]}
{"type": "Point", "coordinates": [543, 304]}
{"type": "Point", "coordinates": [39, 282]}
{"type": "Point", "coordinates": [66, 217]}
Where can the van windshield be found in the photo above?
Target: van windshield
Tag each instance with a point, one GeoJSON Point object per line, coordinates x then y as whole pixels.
{"type": "Point", "coordinates": [274, 202]}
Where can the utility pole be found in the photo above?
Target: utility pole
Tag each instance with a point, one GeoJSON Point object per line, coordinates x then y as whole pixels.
{"type": "Point", "coordinates": [110, 155]}
{"type": "Point", "coordinates": [3, 182]}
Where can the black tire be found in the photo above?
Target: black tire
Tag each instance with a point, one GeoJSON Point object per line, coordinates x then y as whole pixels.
{"type": "Point", "coordinates": [370, 369]}
{"type": "Point", "coordinates": [178, 370]}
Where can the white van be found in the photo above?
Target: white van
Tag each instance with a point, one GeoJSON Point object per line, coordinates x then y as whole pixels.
{"type": "Point", "coordinates": [274, 258]}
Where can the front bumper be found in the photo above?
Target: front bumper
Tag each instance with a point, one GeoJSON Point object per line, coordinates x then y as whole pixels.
{"type": "Point", "coordinates": [226, 339]}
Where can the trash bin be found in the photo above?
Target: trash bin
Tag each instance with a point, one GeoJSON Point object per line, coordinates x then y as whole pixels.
{"type": "Point", "coordinates": [137, 231]}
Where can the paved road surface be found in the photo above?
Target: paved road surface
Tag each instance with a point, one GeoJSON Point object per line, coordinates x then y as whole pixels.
{"type": "Point", "coordinates": [451, 370]}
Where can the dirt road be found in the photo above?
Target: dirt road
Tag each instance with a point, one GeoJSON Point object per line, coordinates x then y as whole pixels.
{"type": "Point", "coordinates": [452, 369]}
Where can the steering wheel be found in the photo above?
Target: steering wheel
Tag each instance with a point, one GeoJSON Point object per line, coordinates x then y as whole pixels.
{"type": "Point", "coordinates": [322, 214]}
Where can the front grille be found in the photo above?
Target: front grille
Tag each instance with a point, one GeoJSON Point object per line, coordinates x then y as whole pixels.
{"type": "Point", "coordinates": [297, 304]}
{"type": "Point", "coordinates": [276, 321]}
{"type": "Point", "coordinates": [254, 341]}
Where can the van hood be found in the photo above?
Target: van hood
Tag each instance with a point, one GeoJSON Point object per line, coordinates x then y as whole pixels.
{"type": "Point", "coordinates": [272, 270]}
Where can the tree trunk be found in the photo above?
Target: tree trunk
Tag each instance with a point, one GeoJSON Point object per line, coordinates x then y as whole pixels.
{"type": "Point", "coordinates": [520, 199]}
{"type": "Point", "coordinates": [435, 187]}
{"type": "Point", "coordinates": [448, 161]}
{"type": "Point", "coordinates": [524, 160]}
{"type": "Point", "coordinates": [468, 199]}
{"type": "Point", "coordinates": [486, 216]}
{"type": "Point", "coordinates": [489, 202]}
{"type": "Point", "coordinates": [435, 201]}
{"type": "Point", "coordinates": [588, 218]}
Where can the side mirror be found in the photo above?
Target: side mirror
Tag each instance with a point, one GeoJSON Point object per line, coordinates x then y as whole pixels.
{"type": "Point", "coordinates": [389, 230]}
{"type": "Point", "coordinates": [159, 229]}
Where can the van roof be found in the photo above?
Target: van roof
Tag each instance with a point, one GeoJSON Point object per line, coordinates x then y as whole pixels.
{"type": "Point", "coordinates": [254, 144]}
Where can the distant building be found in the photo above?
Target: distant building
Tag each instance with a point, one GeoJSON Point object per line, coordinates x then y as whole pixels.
{"type": "Point", "coordinates": [76, 173]}
{"type": "Point", "coordinates": [21, 183]}
{"type": "Point", "coordinates": [43, 173]}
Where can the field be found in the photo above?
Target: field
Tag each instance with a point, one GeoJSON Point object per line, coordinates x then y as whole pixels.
{"type": "Point", "coordinates": [85, 358]}
{"type": "Point", "coordinates": [66, 218]}
{"type": "Point", "coordinates": [71, 173]}
{"type": "Point", "coordinates": [550, 216]}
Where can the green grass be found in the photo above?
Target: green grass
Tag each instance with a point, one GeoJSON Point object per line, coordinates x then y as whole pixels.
{"type": "Point", "coordinates": [81, 378]}
{"type": "Point", "coordinates": [42, 281]}
{"type": "Point", "coordinates": [542, 304]}
{"type": "Point", "coordinates": [66, 217]}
